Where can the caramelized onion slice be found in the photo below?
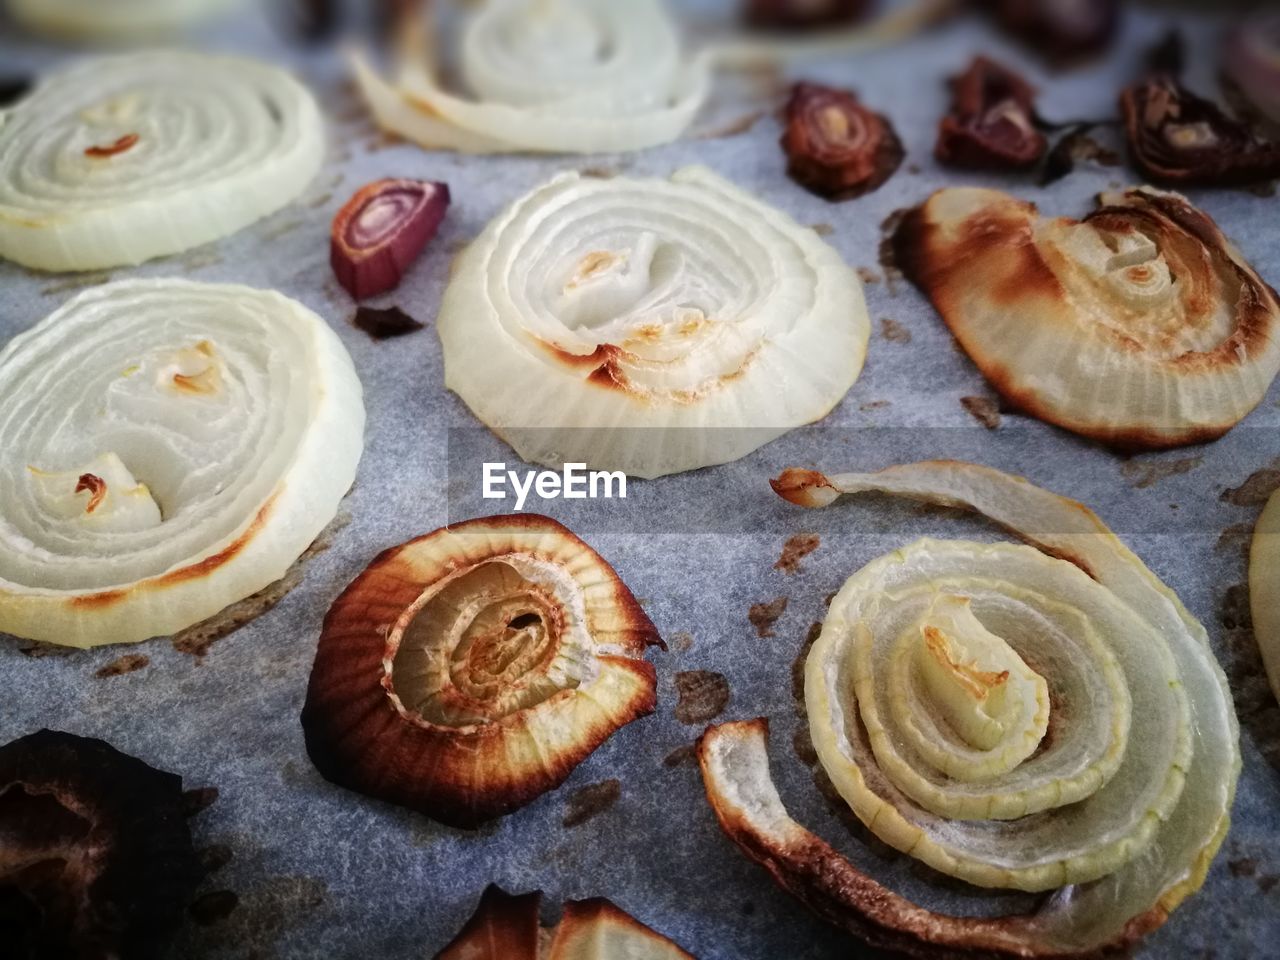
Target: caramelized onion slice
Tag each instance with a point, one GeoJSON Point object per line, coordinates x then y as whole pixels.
{"type": "Point", "coordinates": [835, 146]}
{"type": "Point", "coordinates": [1082, 561]}
{"type": "Point", "coordinates": [467, 672]}
{"type": "Point", "coordinates": [95, 852]}
{"type": "Point", "coordinates": [167, 448]}
{"type": "Point", "coordinates": [645, 324]}
{"type": "Point", "coordinates": [1140, 326]}
{"type": "Point", "coordinates": [1062, 31]}
{"type": "Point", "coordinates": [121, 159]}
{"type": "Point", "coordinates": [1264, 589]}
{"type": "Point", "coordinates": [992, 121]}
{"type": "Point", "coordinates": [801, 14]}
{"type": "Point", "coordinates": [1178, 138]}
{"type": "Point", "coordinates": [506, 927]}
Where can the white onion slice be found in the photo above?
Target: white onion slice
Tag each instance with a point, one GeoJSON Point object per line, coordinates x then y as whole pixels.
{"type": "Point", "coordinates": [1147, 833]}
{"type": "Point", "coordinates": [121, 159]}
{"type": "Point", "coordinates": [1264, 589]}
{"type": "Point", "coordinates": [166, 449]}
{"type": "Point", "coordinates": [1140, 325]}
{"type": "Point", "coordinates": [647, 325]}
{"type": "Point", "coordinates": [571, 76]}
{"type": "Point", "coordinates": [113, 20]}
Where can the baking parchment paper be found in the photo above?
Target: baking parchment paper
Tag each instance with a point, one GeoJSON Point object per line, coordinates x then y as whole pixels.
{"type": "Point", "coordinates": [318, 871]}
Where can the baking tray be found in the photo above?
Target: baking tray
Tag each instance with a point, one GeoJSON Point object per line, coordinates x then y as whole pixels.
{"type": "Point", "coordinates": [318, 871]}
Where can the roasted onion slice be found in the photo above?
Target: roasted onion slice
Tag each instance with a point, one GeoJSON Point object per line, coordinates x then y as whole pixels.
{"type": "Point", "coordinates": [991, 123]}
{"type": "Point", "coordinates": [835, 146]}
{"type": "Point", "coordinates": [467, 672]}
{"type": "Point", "coordinates": [572, 76]}
{"type": "Point", "coordinates": [1264, 589]}
{"type": "Point", "coordinates": [166, 449]}
{"type": "Point", "coordinates": [118, 160]}
{"type": "Point", "coordinates": [645, 325]}
{"type": "Point", "coordinates": [1178, 138]}
{"type": "Point", "coordinates": [941, 643]}
{"type": "Point", "coordinates": [507, 927]}
{"type": "Point", "coordinates": [113, 20]}
{"type": "Point", "coordinates": [1141, 325]}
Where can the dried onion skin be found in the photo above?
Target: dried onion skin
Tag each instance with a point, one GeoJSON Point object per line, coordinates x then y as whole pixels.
{"type": "Point", "coordinates": [1264, 589]}
{"type": "Point", "coordinates": [1140, 326]}
{"type": "Point", "coordinates": [468, 672]}
{"type": "Point", "coordinates": [122, 159]}
{"type": "Point", "coordinates": [1082, 571]}
{"type": "Point", "coordinates": [167, 448]}
{"type": "Point", "coordinates": [644, 325]}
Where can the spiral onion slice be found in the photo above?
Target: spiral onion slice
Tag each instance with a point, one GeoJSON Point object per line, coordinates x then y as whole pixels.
{"type": "Point", "coordinates": [1125, 666]}
{"type": "Point", "coordinates": [563, 76]}
{"type": "Point", "coordinates": [166, 449]}
{"type": "Point", "coordinates": [1141, 325]}
{"type": "Point", "coordinates": [1264, 589]}
{"type": "Point", "coordinates": [651, 326]}
{"type": "Point", "coordinates": [113, 20]}
{"type": "Point", "coordinates": [467, 672]}
{"type": "Point", "coordinates": [121, 159]}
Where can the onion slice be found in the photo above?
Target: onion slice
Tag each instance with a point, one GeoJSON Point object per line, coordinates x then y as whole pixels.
{"type": "Point", "coordinates": [992, 121]}
{"type": "Point", "coordinates": [1252, 60]}
{"type": "Point", "coordinates": [1140, 325]}
{"type": "Point", "coordinates": [381, 230]}
{"type": "Point", "coordinates": [1264, 589]}
{"type": "Point", "coordinates": [644, 325]}
{"type": "Point", "coordinates": [1146, 832]}
{"type": "Point", "coordinates": [469, 671]}
{"type": "Point", "coordinates": [506, 927]}
{"type": "Point", "coordinates": [836, 147]}
{"type": "Point", "coordinates": [113, 21]}
{"type": "Point", "coordinates": [121, 159]}
{"type": "Point", "coordinates": [166, 449]}
{"type": "Point", "coordinates": [569, 76]}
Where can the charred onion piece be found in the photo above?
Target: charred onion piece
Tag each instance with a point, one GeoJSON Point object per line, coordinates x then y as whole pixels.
{"type": "Point", "coordinates": [382, 230]}
{"type": "Point", "coordinates": [95, 852]}
{"type": "Point", "coordinates": [1264, 588]}
{"type": "Point", "coordinates": [469, 671]}
{"type": "Point", "coordinates": [1253, 62]}
{"type": "Point", "coordinates": [1140, 326]}
{"type": "Point", "coordinates": [802, 14]}
{"type": "Point", "coordinates": [1062, 31]}
{"type": "Point", "coordinates": [835, 146]}
{"type": "Point", "coordinates": [1179, 138]}
{"type": "Point", "coordinates": [506, 927]}
{"type": "Point", "coordinates": [991, 124]}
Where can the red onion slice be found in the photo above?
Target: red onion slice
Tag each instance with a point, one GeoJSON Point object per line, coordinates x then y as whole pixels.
{"type": "Point", "coordinates": [382, 230]}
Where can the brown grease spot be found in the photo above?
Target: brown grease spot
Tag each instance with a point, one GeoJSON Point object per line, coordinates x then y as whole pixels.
{"type": "Point", "coordinates": [893, 331]}
{"type": "Point", "coordinates": [1142, 475]}
{"type": "Point", "coordinates": [214, 857]}
{"type": "Point", "coordinates": [1244, 867]}
{"type": "Point", "coordinates": [1257, 489]}
{"type": "Point", "coordinates": [867, 275]}
{"type": "Point", "coordinates": [681, 756]}
{"type": "Point", "coordinates": [682, 642]}
{"type": "Point", "coordinates": [198, 799]}
{"type": "Point", "coordinates": [764, 615]}
{"type": "Point", "coordinates": [984, 409]}
{"type": "Point", "coordinates": [796, 549]}
{"type": "Point", "coordinates": [591, 801]}
{"type": "Point", "coordinates": [122, 665]}
{"type": "Point", "coordinates": [703, 695]}
{"type": "Point", "coordinates": [213, 907]}
{"type": "Point", "coordinates": [822, 229]}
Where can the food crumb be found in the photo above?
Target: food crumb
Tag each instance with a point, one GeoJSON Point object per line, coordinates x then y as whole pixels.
{"type": "Point", "coordinates": [796, 549]}
{"type": "Point", "coordinates": [122, 665]}
{"type": "Point", "coordinates": [591, 801]}
{"type": "Point", "coordinates": [764, 615]}
{"type": "Point", "coordinates": [703, 695]}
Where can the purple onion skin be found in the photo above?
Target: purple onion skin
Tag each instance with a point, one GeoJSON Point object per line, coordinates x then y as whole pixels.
{"type": "Point", "coordinates": [369, 265]}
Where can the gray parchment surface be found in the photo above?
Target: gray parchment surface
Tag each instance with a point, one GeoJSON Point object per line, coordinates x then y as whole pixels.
{"type": "Point", "coordinates": [322, 872]}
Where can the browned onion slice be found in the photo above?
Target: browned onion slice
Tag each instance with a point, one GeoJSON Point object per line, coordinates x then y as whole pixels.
{"type": "Point", "coordinates": [801, 14]}
{"type": "Point", "coordinates": [382, 230]}
{"type": "Point", "coordinates": [1178, 138]}
{"type": "Point", "coordinates": [1062, 31]}
{"type": "Point", "coordinates": [991, 124]}
{"type": "Point", "coordinates": [467, 672]}
{"type": "Point", "coordinates": [835, 146]}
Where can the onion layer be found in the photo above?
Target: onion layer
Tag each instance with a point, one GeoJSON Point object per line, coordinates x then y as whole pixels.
{"type": "Point", "coordinates": [112, 20]}
{"type": "Point", "coordinates": [1140, 325]}
{"type": "Point", "coordinates": [1083, 612]}
{"type": "Point", "coordinates": [571, 76]}
{"type": "Point", "coordinates": [121, 159]}
{"type": "Point", "coordinates": [167, 448]}
{"type": "Point", "coordinates": [592, 308]}
{"type": "Point", "coordinates": [1264, 589]}
{"type": "Point", "coordinates": [467, 672]}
